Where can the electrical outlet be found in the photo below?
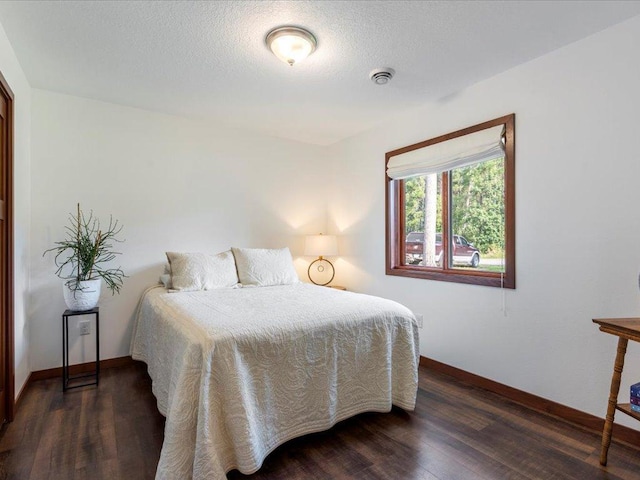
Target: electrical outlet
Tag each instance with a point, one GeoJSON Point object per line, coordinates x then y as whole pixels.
{"type": "Point", "coordinates": [419, 319]}
{"type": "Point", "coordinates": [85, 327]}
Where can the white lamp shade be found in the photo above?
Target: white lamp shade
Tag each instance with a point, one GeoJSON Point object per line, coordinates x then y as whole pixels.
{"type": "Point", "coordinates": [321, 245]}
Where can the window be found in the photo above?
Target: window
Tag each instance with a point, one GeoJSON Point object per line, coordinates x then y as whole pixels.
{"type": "Point", "coordinates": [450, 206]}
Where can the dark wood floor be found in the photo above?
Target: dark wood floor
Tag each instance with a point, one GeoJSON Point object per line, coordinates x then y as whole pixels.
{"type": "Point", "coordinates": [456, 432]}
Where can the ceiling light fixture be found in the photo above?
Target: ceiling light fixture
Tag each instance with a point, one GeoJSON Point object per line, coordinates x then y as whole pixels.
{"type": "Point", "coordinates": [291, 44]}
{"type": "Point", "coordinates": [382, 76]}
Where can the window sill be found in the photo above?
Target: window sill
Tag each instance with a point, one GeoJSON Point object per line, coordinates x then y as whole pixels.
{"type": "Point", "coordinates": [487, 279]}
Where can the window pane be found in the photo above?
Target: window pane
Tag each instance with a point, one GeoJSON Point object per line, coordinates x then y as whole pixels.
{"type": "Point", "coordinates": [423, 221]}
{"type": "Point", "coordinates": [478, 216]}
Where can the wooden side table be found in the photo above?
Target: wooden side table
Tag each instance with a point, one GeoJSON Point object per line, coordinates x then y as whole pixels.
{"type": "Point", "coordinates": [625, 329]}
{"type": "Point", "coordinates": [66, 377]}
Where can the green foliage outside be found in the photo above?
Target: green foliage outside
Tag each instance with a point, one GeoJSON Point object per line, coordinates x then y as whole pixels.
{"type": "Point", "coordinates": [477, 210]}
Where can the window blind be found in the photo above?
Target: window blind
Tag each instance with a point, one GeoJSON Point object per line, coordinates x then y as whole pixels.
{"type": "Point", "coordinates": [458, 152]}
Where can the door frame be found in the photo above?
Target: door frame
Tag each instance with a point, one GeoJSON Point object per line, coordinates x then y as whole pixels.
{"type": "Point", "coordinates": [7, 306]}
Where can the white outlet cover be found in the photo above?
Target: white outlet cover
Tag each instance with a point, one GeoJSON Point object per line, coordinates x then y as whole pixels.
{"type": "Point", "coordinates": [85, 328]}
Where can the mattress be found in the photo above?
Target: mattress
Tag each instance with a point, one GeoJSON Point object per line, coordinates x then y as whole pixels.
{"type": "Point", "coordinates": [239, 371]}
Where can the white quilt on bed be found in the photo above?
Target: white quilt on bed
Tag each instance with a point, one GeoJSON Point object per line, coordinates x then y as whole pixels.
{"type": "Point", "coordinates": [237, 372]}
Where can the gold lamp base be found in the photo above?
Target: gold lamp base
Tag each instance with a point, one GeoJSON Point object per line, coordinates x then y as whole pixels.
{"type": "Point", "coordinates": [321, 265]}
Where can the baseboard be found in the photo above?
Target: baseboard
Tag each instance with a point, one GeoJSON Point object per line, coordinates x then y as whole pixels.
{"type": "Point", "coordinates": [577, 417]}
{"type": "Point", "coordinates": [20, 396]}
{"type": "Point", "coordinates": [79, 368]}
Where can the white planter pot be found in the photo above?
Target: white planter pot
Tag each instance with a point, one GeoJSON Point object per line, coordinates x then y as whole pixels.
{"type": "Point", "coordinates": [83, 298]}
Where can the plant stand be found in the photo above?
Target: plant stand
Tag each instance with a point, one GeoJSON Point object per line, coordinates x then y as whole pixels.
{"type": "Point", "coordinates": [67, 378]}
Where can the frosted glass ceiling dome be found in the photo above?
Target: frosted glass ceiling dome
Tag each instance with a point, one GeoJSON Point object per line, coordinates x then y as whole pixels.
{"type": "Point", "coordinates": [291, 44]}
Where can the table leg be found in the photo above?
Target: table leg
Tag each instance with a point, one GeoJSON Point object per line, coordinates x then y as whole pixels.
{"type": "Point", "coordinates": [64, 356]}
{"type": "Point", "coordinates": [613, 399]}
{"type": "Point", "coordinates": [97, 348]}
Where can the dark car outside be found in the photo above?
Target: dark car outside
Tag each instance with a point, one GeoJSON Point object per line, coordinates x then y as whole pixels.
{"type": "Point", "coordinates": [464, 253]}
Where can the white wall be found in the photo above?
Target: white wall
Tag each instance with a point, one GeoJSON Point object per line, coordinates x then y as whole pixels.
{"type": "Point", "coordinates": [577, 223]}
{"type": "Point", "coordinates": [174, 184]}
{"type": "Point", "coordinates": [14, 75]}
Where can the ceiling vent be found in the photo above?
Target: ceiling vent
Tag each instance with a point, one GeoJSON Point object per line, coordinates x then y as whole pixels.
{"type": "Point", "coordinates": [381, 76]}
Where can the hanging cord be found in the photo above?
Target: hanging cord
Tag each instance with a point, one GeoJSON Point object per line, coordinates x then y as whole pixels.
{"type": "Point", "coordinates": [504, 293]}
{"type": "Point", "coordinates": [503, 137]}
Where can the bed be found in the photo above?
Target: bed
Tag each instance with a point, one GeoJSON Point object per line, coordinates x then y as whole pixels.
{"type": "Point", "coordinates": [239, 371]}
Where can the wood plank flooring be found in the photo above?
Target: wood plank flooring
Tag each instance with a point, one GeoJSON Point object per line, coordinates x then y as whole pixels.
{"type": "Point", "coordinates": [456, 432]}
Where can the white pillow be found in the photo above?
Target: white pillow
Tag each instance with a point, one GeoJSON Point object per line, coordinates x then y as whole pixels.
{"type": "Point", "coordinates": [165, 279]}
{"type": "Point", "coordinates": [202, 271]}
{"type": "Point", "coordinates": [263, 267]}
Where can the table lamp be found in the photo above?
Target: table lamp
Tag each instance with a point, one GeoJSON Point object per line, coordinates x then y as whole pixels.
{"type": "Point", "coordinates": [321, 268]}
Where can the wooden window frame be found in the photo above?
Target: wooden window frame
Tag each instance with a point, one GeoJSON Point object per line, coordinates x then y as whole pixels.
{"type": "Point", "coordinates": [395, 218]}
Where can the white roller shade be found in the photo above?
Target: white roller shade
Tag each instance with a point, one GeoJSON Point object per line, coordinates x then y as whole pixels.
{"type": "Point", "coordinates": [458, 152]}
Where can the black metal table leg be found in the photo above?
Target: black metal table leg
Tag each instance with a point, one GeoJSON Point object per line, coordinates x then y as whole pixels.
{"type": "Point", "coordinates": [67, 378]}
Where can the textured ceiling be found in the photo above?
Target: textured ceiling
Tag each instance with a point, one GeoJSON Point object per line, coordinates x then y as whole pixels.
{"type": "Point", "coordinates": [208, 60]}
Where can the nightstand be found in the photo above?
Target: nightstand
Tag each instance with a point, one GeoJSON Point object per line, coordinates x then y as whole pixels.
{"type": "Point", "coordinates": [66, 377]}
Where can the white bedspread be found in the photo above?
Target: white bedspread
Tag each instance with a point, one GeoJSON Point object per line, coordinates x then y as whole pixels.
{"type": "Point", "coordinates": [237, 372]}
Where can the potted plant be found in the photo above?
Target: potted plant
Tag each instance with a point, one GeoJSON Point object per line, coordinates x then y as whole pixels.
{"type": "Point", "coordinates": [82, 260]}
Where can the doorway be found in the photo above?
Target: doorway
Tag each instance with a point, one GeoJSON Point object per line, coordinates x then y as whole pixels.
{"type": "Point", "coordinates": [7, 386]}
